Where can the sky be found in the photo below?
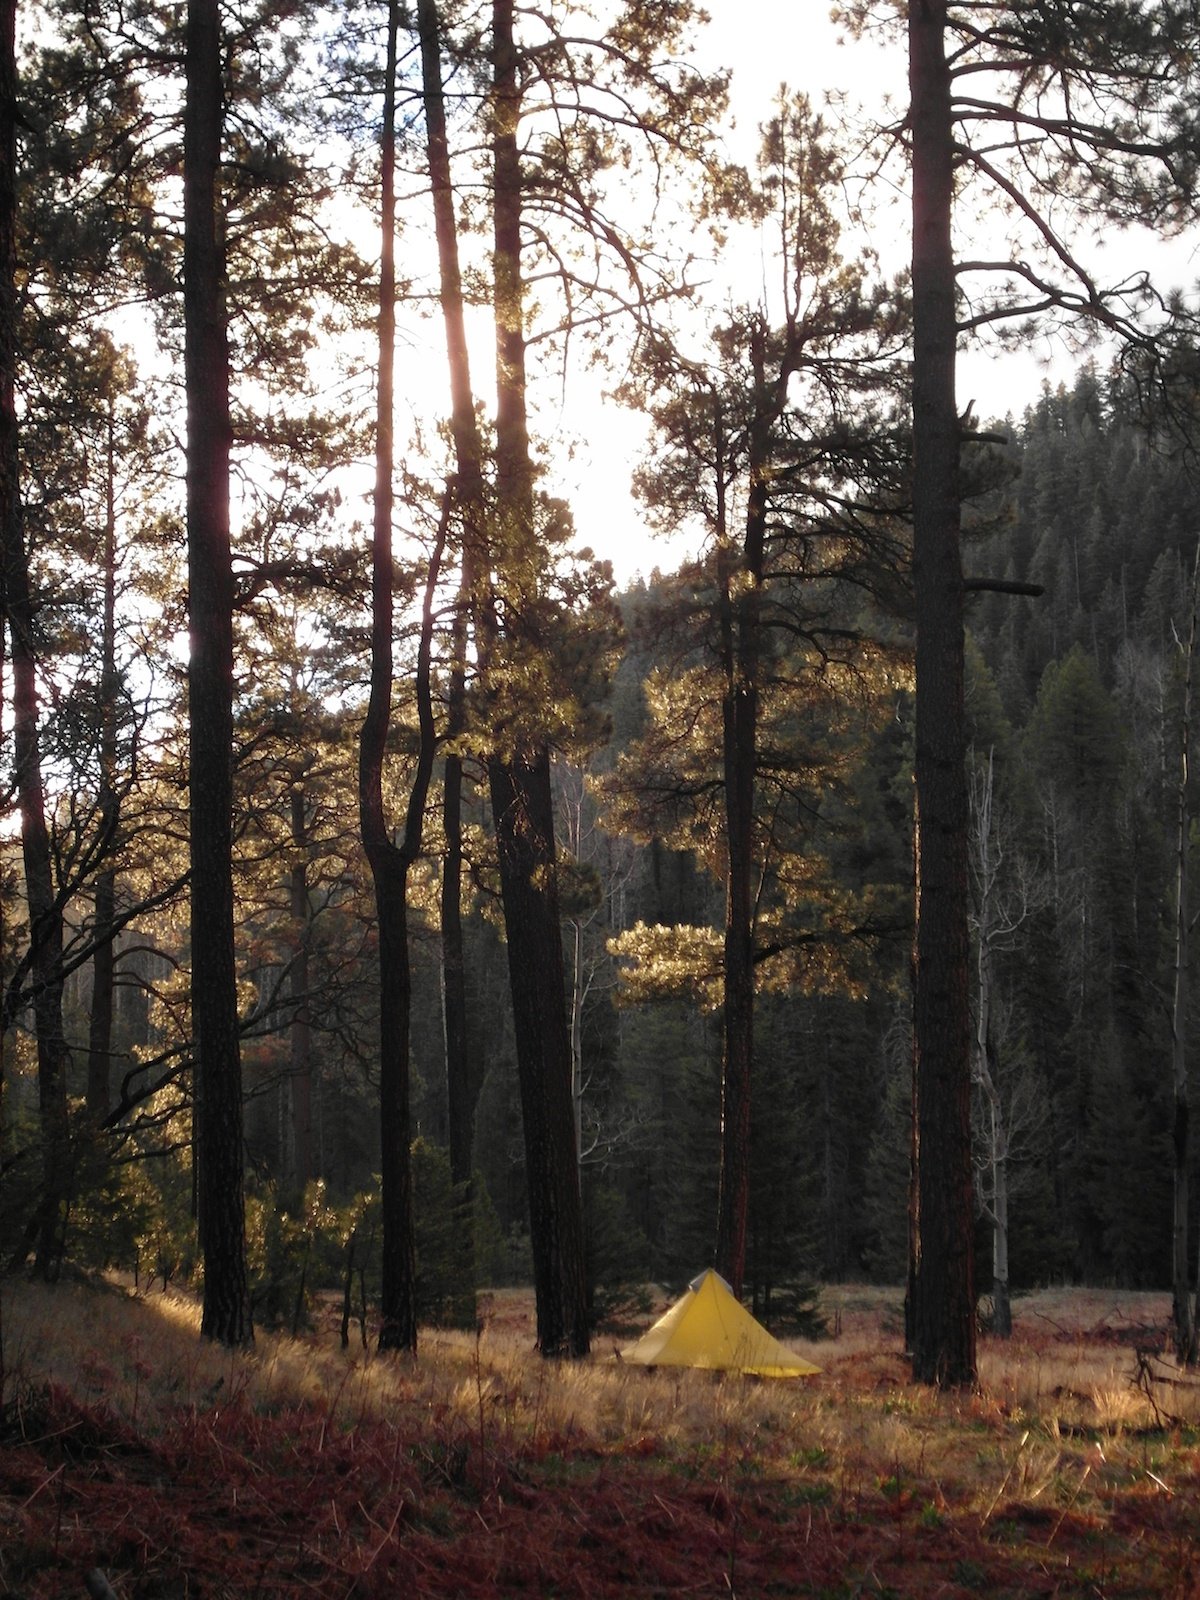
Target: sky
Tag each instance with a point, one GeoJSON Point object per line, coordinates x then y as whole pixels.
{"type": "Point", "coordinates": [593, 444]}
{"type": "Point", "coordinates": [764, 42]}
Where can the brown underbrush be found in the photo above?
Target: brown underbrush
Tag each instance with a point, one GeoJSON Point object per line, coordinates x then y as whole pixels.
{"type": "Point", "coordinates": [129, 1448]}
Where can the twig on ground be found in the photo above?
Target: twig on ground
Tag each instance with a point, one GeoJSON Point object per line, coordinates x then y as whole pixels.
{"type": "Point", "coordinates": [1144, 1378]}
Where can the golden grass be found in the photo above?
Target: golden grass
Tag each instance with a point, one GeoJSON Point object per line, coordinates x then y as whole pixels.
{"type": "Point", "coordinates": [1057, 1410]}
{"type": "Point", "coordinates": [1068, 1459]}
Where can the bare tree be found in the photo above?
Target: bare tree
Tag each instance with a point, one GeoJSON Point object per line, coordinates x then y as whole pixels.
{"type": "Point", "coordinates": [1005, 894]}
{"type": "Point", "coordinates": [603, 867]}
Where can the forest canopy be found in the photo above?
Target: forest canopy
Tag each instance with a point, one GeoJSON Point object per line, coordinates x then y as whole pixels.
{"type": "Point", "coordinates": [391, 898]}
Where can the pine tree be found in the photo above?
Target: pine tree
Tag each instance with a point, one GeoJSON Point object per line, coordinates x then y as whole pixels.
{"type": "Point", "coordinates": [218, 1085]}
{"type": "Point", "coordinates": [506, 596]}
{"type": "Point", "coordinates": [1139, 163]}
{"type": "Point", "coordinates": [794, 507]}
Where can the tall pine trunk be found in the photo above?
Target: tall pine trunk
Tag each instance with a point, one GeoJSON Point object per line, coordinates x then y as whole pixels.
{"type": "Point", "coordinates": [740, 586]}
{"type": "Point", "coordinates": [523, 812]}
{"type": "Point", "coordinates": [9, 484]}
{"type": "Point", "coordinates": [462, 1069]}
{"type": "Point", "coordinates": [738, 582]}
{"type": "Point", "coordinates": [300, 1164]}
{"type": "Point", "coordinates": [45, 913]}
{"type": "Point", "coordinates": [100, 1025]}
{"type": "Point", "coordinates": [522, 802]}
{"type": "Point", "coordinates": [943, 1311]}
{"type": "Point", "coordinates": [1184, 1313]}
{"type": "Point", "coordinates": [739, 715]}
{"type": "Point", "coordinates": [218, 1081]}
{"type": "Point", "coordinates": [389, 866]}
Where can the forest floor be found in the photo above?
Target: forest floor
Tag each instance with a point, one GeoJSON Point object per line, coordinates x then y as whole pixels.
{"type": "Point", "coordinates": [299, 1470]}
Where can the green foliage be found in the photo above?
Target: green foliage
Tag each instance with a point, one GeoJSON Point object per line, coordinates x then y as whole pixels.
{"type": "Point", "coordinates": [1126, 1165]}
{"type": "Point", "coordinates": [499, 1147]}
{"type": "Point", "coordinates": [885, 1191]}
{"type": "Point", "coordinates": [792, 1309]}
{"type": "Point", "coordinates": [135, 1213]}
{"type": "Point", "coordinates": [491, 1257]}
{"type": "Point", "coordinates": [444, 1241]}
{"type": "Point", "coordinates": [791, 1139]}
{"type": "Point", "coordinates": [20, 1178]}
{"type": "Point", "coordinates": [289, 1257]}
{"type": "Point", "coordinates": [617, 1256]}
{"type": "Point", "coordinates": [1040, 1244]}
{"type": "Point", "coordinates": [1076, 694]}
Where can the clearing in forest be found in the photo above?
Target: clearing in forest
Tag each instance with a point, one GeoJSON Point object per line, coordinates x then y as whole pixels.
{"type": "Point", "coordinates": [300, 1470]}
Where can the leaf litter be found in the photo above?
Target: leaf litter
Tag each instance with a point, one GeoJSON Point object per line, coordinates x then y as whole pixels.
{"type": "Point", "coordinates": [537, 1485]}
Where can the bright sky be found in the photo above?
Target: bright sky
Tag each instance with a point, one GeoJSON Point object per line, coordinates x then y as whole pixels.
{"type": "Point", "coordinates": [766, 41]}
{"type": "Point", "coordinates": [767, 44]}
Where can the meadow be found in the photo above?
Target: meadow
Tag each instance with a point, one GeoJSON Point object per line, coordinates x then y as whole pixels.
{"type": "Point", "coordinates": [134, 1456]}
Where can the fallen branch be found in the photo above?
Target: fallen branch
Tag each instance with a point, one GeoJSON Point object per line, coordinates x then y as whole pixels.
{"type": "Point", "coordinates": [1144, 1378]}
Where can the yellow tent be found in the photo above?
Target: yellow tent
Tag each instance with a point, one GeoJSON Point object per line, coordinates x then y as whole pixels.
{"type": "Point", "coordinates": [709, 1328]}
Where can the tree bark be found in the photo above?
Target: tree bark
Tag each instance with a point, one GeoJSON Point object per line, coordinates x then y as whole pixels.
{"type": "Point", "coordinates": [389, 865]}
{"type": "Point", "coordinates": [300, 1032]}
{"type": "Point", "coordinates": [943, 1323]}
{"type": "Point", "coordinates": [1185, 1313]}
{"type": "Point", "coordinates": [740, 585]}
{"type": "Point", "coordinates": [739, 624]}
{"type": "Point", "coordinates": [9, 481]}
{"type": "Point", "coordinates": [103, 961]}
{"type": "Point", "coordinates": [462, 1068]}
{"type": "Point", "coordinates": [739, 717]}
{"type": "Point", "coordinates": [218, 1085]}
{"type": "Point", "coordinates": [522, 805]}
{"type": "Point", "coordinates": [45, 914]}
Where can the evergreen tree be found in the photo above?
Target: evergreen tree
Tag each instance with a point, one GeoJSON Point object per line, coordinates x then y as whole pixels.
{"type": "Point", "coordinates": [1138, 165]}
{"type": "Point", "coordinates": [793, 506]}
{"type": "Point", "coordinates": [220, 1204]}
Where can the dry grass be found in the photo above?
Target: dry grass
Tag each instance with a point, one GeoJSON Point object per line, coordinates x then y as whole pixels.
{"type": "Point", "coordinates": [1073, 1450]}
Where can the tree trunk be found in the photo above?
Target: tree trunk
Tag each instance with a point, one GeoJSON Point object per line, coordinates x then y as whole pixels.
{"type": "Point", "coordinates": [9, 484]}
{"type": "Point", "coordinates": [1185, 1313]}
{"type": "Point", "coordinates": [522, 807]}
{"type": "Point", "coordinates": [462, 1076]}
{"type": "Point", "coordinates": [462, 1068]}
{"type": "Point", "coordinates": [997, 1160]}
{"type": "Point", "coordinates": [218, 1084]}
{"type": "Point", "coordinates": [739, 717]}
{"type": "Point", "coordinates": [45, 926]}
{"type": "Point", "coordinates": [1001, 1300]}
{"type": "Point", "coordinates": [740, 587]}
{"type": "Point", "coordinates": [522, 804]}
{"type": "Point", "coordinates": [398, 1290]}
{"type": "Point", "coordinates": [300, 1032]}
{"type": "Point", "coordinates": [103, 961]}
{"type": "Point", "coordinates": [389, 867]}
{"type": "Point", "coordinates": [944, 1291]}
{"type": "Point", "coordinates": [45, 914]}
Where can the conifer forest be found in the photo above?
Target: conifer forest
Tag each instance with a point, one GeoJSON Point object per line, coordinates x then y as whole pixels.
{"type": "Point", "coordinates": [411, 881]}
